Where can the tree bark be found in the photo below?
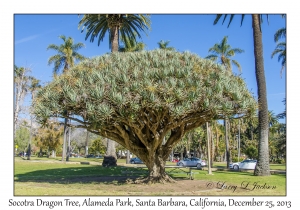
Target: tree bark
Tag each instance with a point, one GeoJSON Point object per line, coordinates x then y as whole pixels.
{"type": "Point", "coordinates": [69, 144]}
{"type": "Point", "coordinates": [65, 140]}
{"type": "Point", "coordinates": [86, 151]}
{"type": "Point", "coordinates": [114, 34]}
{"type": "Point", "coordinates": [156, 166]}
{"type": "Point", "coordinates": [227, 143]}
{"type": "Point", "coordinates": [262, 167]}
{"type": "Point", "coordinates": [208, 147]}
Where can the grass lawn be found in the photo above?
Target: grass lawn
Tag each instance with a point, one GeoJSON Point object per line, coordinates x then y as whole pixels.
{"type": "Point", "coordinates": [56, 178]}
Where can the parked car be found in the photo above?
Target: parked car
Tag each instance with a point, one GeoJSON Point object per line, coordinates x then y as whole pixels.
{"type": "Point", "coordinates": [191, 162]}
{"type": "Point", "coordinates": [90, 156]}
{"type": "Point", "coordinates": [245, 164]}
{"type": "Point", "coordinates": [136, 160]}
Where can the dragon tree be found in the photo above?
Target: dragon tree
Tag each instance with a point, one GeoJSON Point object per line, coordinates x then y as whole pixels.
{"type": "Point", "coordinates": [138, 98]}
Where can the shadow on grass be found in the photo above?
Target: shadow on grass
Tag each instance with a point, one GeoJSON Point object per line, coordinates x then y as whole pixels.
{"type": "Point", "coordinates": [89, 174]}
{"type": "Point", "coordinates": [82, 174]}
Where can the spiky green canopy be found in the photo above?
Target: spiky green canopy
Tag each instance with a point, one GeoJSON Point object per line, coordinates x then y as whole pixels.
{"type": "Point", "coordinates": [148, 93]}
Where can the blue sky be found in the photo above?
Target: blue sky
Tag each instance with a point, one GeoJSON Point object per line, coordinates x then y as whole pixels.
{"type": "Point", "coordinates": [186, 32]}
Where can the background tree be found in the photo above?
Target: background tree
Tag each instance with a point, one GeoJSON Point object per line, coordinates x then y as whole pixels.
{"type": "Point", "coordinates": [137, 98]}
{"type": "Point", "coordinates": [66, 55]}
{"type": "Point", "coordinates": [163, 45]}
{"type": "Point", "coordinates": [50, 136]}
{"type": "Point", "coordinates": [130, 45]}
{"type": "Point", "coordinates": [262, 167]}
{"type": "Point", "coordinates": [98, 146]}
{"type": "Point", "coordinates": [222, 53]}
{"type": "Point", "coordinates": [124, 26]}
{"type": "Point", "coordinates": [21, 82]}
{"type": "Point", "coordinates": [33, 87]}
{"type": "Point", "coordinates": [65, 58]}
{"type": "Point", "coordinates": [22, 136]}
{"type": "Point", "coordinates": [283, 114]}
{"type": "Point", "coordinates": [251, 152]}
{"type": "Point", "coordinates": [280, 49]}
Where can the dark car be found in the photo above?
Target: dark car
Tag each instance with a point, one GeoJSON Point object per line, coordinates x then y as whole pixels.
{"type": "Point", "coordinates": [136, 160]}
{"type": "Point", "coordinates": [90, 156]}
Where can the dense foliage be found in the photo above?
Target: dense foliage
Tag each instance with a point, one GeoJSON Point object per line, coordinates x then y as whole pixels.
{"type": "Point", "coordinates": [137, 98]}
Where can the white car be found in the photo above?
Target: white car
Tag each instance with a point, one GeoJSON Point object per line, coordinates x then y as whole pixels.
{"type": "Point", "coordinates": [245, 164]}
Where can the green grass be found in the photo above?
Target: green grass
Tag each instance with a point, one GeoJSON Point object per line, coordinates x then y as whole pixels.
{"type": "Point", "coordinates": [54, 177]}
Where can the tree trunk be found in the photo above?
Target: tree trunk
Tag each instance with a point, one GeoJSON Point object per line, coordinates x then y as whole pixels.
{"type": "Point", "coordinates": [114, 35]}
{"type": "Point", "coordinates": [86, 152]}
{"type": "Point", "coordinates": [110, 159]}
{"type": "Point", "coordinates": [227, 143]}
{"type": "Point", "coordinates": [128, 157]}
{"type": "Point", "coordinates": [217, 147]}
{"type": "Point", "coordinates": [200, 149]}
{"type": "Point", "coordinates": [29, 145]}
{"type": "Point", "coordinates": [65, 140]}
{"type": "Point", "coordinates": [208, 148]}
{"type": "Point", "coordinates": [69, 143]}
{"type": "Point", "coordinates": [262, 167]}
{"type": "Point", "coordinates": [40, 153]}
{"type": "Point", "coordinates": [156, 166]}
{"type": "Point", "coordinates": [212, 148]}
{"type": "Point", "coordinates": [20, 94]}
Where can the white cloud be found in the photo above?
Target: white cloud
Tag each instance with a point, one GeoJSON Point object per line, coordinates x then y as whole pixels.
{"type": "Point", "coordinates": [27, 39]}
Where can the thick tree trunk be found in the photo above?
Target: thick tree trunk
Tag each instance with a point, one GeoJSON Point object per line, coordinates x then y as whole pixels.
{"type": "Point", "coordinates": [156, 167]}
{"type": "Point", "coordinates": [262, 166]}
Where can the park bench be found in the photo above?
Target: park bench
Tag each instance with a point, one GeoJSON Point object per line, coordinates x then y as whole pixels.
{"type": "Point", "coordinates": [174, 170]}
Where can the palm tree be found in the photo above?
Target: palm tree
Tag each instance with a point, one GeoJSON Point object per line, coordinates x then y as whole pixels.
{"type": "Point", "coordinates": [164, 45]}
{"type": "Point", "coordinates": [66, 54]}
{"type": "Point", "coordinates": [224, 53]}
{"type": "Point", "coordinates": [281, 47]}
{"type": "Point", "coordinates": [119, 26]}
{"type": "Point", "coordinates": [262, 167]}
{"type": "Point", "coordinates": [283, 114]}
{"type": "Point", "coordinates": [65, 58]}
{"type": "Point", "coordinates": [130, 45]}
